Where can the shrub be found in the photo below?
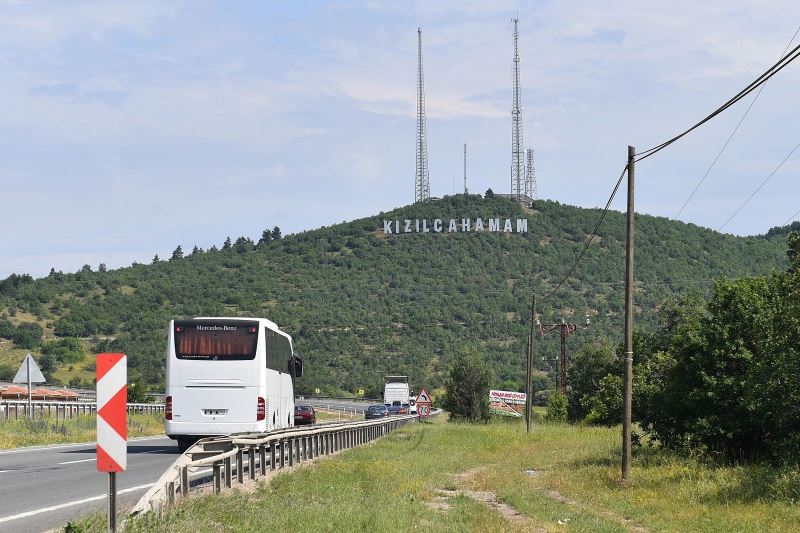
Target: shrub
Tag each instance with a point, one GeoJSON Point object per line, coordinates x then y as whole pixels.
{"type": "Point", "coordinates": [27, 335]}
{"type": "Point", "coordinates": [467, 388]}
{"type": "Point", "coordinates": [556, 408]}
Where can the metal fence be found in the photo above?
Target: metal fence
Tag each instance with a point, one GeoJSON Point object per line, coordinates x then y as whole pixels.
{"type": "Point", "coordinates": [258, 453]}
{"type": "Point", "coordinates": [16, 409]}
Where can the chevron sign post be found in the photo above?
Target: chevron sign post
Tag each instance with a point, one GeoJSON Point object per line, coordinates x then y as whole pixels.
{"type": "Point", "coordinates": [112, 422]}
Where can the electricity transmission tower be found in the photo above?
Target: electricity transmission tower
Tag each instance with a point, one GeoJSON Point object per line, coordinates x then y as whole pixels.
{"type": "Point", "coordinates": [564, 330]}
{"type": "Point", "coordinates": [530, 176]}
{"type": "Point", "coordinates": [517, 155]}
{"type": "Point", "coordinates": [422, 179]}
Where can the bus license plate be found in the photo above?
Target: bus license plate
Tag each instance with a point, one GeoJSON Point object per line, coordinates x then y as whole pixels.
{"type": "Point", "coordinates": [215, 412]}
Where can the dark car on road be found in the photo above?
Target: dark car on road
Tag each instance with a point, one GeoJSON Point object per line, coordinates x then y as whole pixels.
{"type": "Point", "coordinates": [376, 411]}
{"type": "Point", "coordinates": [304, 414]}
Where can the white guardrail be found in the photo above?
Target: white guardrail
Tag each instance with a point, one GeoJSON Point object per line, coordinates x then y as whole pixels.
{"type": "Point", "coordinates": [256, 453]}
{"type": "Point", "coordinates": [16, 409]}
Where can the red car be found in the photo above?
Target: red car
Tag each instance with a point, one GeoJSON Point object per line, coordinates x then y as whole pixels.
{"type": "Point", "coordinates": [304, 414]}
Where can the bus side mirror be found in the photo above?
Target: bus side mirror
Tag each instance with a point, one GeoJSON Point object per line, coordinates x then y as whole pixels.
{"type": "Point", "coordinates": [296, 366]}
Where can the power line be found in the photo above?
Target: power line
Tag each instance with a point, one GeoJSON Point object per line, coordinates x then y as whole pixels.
{"type": "Point", "coordinates": [791, 219]}
{"type": "Point", "coordinates": [689, 199]}
{"type": "Point", "coordinates": [759, 187]}
{"type": "Point", "coordinates": [774, 69]}
{"type": "Point", "coordinates": [592, 236]}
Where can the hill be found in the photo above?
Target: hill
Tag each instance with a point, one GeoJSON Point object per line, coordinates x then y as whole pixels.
{"type": "Point", "coordinates": [361, 303]}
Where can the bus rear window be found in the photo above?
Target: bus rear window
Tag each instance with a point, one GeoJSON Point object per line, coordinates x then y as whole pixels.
{"type": "Point", "coordinates": [216, 342]}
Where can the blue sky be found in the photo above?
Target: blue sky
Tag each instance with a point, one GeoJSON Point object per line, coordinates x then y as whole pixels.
{"type": "Point", "coordinates": [128, 128]}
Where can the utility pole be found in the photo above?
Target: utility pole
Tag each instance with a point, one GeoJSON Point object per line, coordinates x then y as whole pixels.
{"type": "Point", "coordinates": [529, 379]}
{"type": "Point", "coordinates": [565, 330]}
{"type": "Point", "coordinates": [628, 380]}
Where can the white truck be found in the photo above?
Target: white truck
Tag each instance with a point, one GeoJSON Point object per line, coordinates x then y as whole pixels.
{"type": "Point", "coordinates": [396, 395]}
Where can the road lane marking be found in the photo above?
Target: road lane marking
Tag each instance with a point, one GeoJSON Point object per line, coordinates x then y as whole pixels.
{"type": "Point", "coordinates": [78, 461]}
{"type": "Point", "coordinates": [1, 471]}
{"type": "Point", "coordinates": [48, 447]}
{"type": "Point", "coordinates": [69, 504]}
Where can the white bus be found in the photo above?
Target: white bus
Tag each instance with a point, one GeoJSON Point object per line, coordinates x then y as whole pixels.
{"type": "Point", "coordinates": [228, 375]}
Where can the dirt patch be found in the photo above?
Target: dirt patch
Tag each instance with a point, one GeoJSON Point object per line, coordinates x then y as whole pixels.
{"type": "Point", "coordinates": [629, 524]}
{"type": "Point", "coordinates": [520, 521]}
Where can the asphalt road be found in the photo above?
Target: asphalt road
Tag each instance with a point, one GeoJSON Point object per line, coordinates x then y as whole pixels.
{"type": "Point", "coordinates": [44, 487]}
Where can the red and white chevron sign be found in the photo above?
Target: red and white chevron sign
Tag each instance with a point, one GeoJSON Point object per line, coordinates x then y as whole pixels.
{"type": "Point", "coordinates": [112, 412]}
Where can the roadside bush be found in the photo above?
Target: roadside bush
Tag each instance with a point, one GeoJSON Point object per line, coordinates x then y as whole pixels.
{"type": "Point", "coordinates": [467, 388]}
{"type": "Point", "coordinates": [605, 407]}
{"type": "Point", "coordinates": [556, 408]}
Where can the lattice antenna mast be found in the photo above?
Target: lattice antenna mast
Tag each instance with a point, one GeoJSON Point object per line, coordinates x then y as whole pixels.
{"type": "Point", "coordinates": [517, 150]}
{"type": "Point", "coordinates": [465, 169]}
{"type": "Point", "coordinates": [422, 180]}
{"type": "Point", "coordinates": [530, 176]}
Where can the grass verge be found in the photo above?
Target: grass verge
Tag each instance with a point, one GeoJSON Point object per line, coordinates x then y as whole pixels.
{"type": "Point", "coordinates": [455, 477]}
{"type": "Point", "coordinates": [48, 430]}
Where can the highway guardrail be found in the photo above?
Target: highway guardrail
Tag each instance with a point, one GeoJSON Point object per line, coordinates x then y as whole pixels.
{"type": "Point", "coordinates": [259, 453]}
{"type": "Point", "coordinates": [16, 409]}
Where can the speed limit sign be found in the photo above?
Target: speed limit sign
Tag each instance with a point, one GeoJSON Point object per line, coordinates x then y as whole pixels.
{"type": "Point", "coordinates": [424, 410]}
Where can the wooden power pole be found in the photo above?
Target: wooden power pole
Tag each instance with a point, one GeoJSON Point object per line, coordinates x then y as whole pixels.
{"type": "Point", "coordinates": [529, 378]}
{"type": "Point", "coordinates": [628, 380]}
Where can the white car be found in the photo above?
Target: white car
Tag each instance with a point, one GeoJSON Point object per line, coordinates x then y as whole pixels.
{"type": "Point", "coordinates": [412, 405]}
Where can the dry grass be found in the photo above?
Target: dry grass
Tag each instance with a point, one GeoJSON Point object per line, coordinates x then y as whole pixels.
{"type": "Point", "coordinates": [48, 430]}
{"type": "Point", "coordinates": [455, 477]}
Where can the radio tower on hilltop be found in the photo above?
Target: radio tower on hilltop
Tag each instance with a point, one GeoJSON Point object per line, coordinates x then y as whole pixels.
{"type": "Point", "coordinates": [422, 179]}
{"type": "Point", "coordinates": [530, 176]}
{"type": "Point", "coordinates": [517, 151]}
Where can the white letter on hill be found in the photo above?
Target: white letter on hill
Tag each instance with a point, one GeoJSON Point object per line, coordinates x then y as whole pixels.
{"type": "Point", "coordinates": [387, 226]}
{"type": "Point", "coordinates": [522, 225]}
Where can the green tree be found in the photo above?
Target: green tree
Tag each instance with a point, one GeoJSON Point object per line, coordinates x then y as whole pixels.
{"type": "Point", "coordinates": [266, 237]}
{"type": "Point", "coordinates": [227, 244]}
{"type": "Point", "coordinates": [467, 387]}
{"type": "Point", "coordinates": [276, 233]}
{"type": "Point", "coordinates": [605, 406]}
{"type": "Point", "coordinates": [556, 407]}
{"type": "Point", "coordinates": [27, 335]}
{"type": "Point", "coordinates": [177, 253]}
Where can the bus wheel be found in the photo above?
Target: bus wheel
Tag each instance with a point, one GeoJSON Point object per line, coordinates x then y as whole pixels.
{"type": "Point", "coordinates": [184, 443]}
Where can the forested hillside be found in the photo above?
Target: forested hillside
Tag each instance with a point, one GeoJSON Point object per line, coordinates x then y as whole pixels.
{"type": "Point", "coordinates": [361, 304]}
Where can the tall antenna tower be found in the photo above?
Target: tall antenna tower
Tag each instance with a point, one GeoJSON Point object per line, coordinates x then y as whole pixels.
{"type": "Point", "coordinates": [422, 178]}
{"type": "Point", "coordinates": [465, 169]}
{"type": "Point", "coordinates": [517, 152]}
{"type": "Point", "coordinates": [530, 176]}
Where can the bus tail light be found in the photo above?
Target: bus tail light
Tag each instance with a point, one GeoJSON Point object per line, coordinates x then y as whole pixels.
{"type": "Point", "coordinates": [261, 411]}
{"type": "Point", "coordinates": [168, 407]}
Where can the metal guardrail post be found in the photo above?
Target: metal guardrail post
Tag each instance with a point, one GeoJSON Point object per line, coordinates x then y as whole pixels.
{"type": "Point", "coordinates": [272, 446]}
{"type": "Point", "coordinates": [251, 463]}
{"type": "Point", "coordinates": [262, 459]}
{"type": "Point", "coordinates": [185, 481]}
{"type": "Point", "coordinates": [228, 473]}
{"type": "Point", "coordinates": [217, 478]}
{"type": "Point", "coordinates": [171, 493]}
{"type": "Point", "coordinates": [283, 453]}
{"type": "Point", "coordinates": [291, 452]}
{"type": "Point", "coordinates": [240, 466]}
